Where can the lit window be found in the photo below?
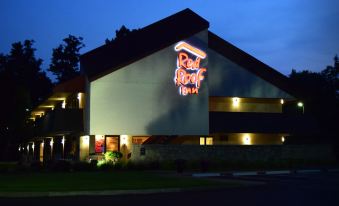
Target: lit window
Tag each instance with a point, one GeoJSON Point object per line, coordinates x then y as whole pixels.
{"type": "Point", "coordinates": [202, 140]}
{"type": "Point", "coordinates": [209, 141]}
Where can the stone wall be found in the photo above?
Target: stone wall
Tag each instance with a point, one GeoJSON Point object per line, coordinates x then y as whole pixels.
{"type": "Point", "coordinates": [244, 153]}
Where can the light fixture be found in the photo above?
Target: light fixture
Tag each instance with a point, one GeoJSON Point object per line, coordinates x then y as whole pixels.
{"type": "Point", "coordinates": [282, 101]}
{"type": "Point", "coordinates": [63, 105]}
{"type": "Point", "coordinates": [235, 101]}
{"type": "Point", "coordinates": [282, 139]}
{"type": "Point", "coordinates": [246, 139]}
{"type": "Point", "coordinates": [63, 140]}
{"type": "Point", "coordinates": [51, 142]}
{"type": "Point", "coordinates": [300, 104]}
{"type": "Point", "coordinates": [123, 139]}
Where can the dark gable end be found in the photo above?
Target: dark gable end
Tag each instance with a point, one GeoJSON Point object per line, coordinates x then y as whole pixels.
{"type": "Point", "coordinates": [250, 63]}
{"type": "Point", "coordinates": [108, 58]}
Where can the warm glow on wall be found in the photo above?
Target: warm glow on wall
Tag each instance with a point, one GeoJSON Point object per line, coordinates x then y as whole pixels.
{"type": "Point", "coordinates": [63, 105]}
{"type": "Point", "coordinates": [246, 139]}
{"type": "Point", "coordinates": [123, 139]}
{"type": "Point", "coordinates": [85, 139]}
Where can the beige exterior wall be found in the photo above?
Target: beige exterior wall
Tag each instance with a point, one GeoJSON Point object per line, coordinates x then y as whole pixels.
{"type": "Point", "coordinates": [84, 148]}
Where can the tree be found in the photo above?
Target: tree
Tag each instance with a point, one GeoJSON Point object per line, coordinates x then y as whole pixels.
{"type": "Point", "coordinates": [121, 34]}
{"type": "Point", "coordinates": [23, 85]}
{"type": "Point", "coordinates": [319, 91]}
{"type": "Point", "coordinates": [65, 58]}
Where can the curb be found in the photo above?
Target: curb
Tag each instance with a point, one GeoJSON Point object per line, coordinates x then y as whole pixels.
{"type": "Point", "coordinates": [94, 193]}
{"type": "Point", "coordinates": [270, 172]}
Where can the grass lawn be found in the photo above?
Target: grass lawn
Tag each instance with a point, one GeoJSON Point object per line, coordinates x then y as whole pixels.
{"type": "Point", "coordinates": [85, 181]}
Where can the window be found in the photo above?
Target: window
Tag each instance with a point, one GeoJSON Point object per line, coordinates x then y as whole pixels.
{"type": "Point", "coordinates": [202, 140]}
{"type": "Point", "coordinates": [209, 140]}
{"type": "Point", "coordinates": [206, 140]}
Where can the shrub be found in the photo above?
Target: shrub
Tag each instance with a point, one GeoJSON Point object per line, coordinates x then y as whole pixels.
{"type": "Point", "coordinates": [113, 156]}
{"type": "Point", "coordinates": [111, 161]}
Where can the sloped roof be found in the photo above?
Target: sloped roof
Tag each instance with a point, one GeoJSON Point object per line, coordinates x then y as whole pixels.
{"type": "Point", "coordinates": [136, 45]}
{"type": "Point", "coordinates": [249, 63]}
{"type": "Point", "coordinates": [74, 85]}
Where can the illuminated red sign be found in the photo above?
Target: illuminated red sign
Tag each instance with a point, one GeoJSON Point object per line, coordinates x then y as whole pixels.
{"type": "Point", "coordinates": [189, 74]}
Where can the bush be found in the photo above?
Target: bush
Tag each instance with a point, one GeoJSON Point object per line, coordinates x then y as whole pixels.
{"type": "Point", "coordinates": [113, 156]}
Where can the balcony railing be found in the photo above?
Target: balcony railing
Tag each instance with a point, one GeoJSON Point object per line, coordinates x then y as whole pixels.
{"type": "Point", "coordinates": [60, 122]}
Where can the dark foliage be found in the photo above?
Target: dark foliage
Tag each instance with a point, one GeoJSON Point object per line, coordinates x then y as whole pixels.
{"type": "Point", "coordinates": [121, 34]}
{"type": "Point", "coordinates": [65, 58]}
{"type": "Point", "coordinates": [23, 85]}
{"type": "Point", "coordinates": [319, 92]}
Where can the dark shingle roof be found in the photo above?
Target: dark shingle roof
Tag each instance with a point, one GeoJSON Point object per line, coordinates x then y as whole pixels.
{"type": "Point", "coordinates": [152, 38]}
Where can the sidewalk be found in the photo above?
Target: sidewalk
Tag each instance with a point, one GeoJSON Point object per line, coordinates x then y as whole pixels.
{"type": "Point", "coordinates": [262, 172]}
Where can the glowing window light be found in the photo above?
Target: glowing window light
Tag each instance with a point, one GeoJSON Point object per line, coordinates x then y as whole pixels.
{"type": "Point", "coordinates": [202, 140]}
{"type": "Point", "coordinates": [235, 101]}
{"type": "Point", "coordinates": [209, 141]}
{"type": "Point", "coordinates": [282, 101]}
{"type": "Point", "coordinates": [246, 139]}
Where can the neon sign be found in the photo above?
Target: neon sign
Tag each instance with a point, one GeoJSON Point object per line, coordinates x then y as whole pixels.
{"type": "Point", "coordinates": [189, 74]}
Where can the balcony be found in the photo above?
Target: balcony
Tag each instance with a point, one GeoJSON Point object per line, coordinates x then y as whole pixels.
{"type": "Point", "coordinates": [60, 122]}
{"type": "Point", "coordinates": [242, 122]}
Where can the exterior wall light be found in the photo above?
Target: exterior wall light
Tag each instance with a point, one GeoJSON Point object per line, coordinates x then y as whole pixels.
{"type": "Point", "coordinates": [123, 139]}
{"type": "Point", "coordinates": [235, 101]}
{"type": "Point", "coordinates": [51, 142]}
{"type": "Point", "coordinates": [282, 101]}
{"type": "Point", "coordinates": [246, 139]}
{"type": "Point", "coordinates": [301, 105]}
{"type": "Point", "coordinates": [282, 139]}
{"type": "Point", "coordinates": [63, 105]}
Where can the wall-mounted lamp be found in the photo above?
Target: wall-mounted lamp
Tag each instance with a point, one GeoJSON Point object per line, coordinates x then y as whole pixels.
{"type": "Point", "coordinates": [235, 101]}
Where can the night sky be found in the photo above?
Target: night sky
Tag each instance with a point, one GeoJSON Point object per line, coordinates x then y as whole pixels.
{"type": "Point", "coordinates": [285, 34]}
